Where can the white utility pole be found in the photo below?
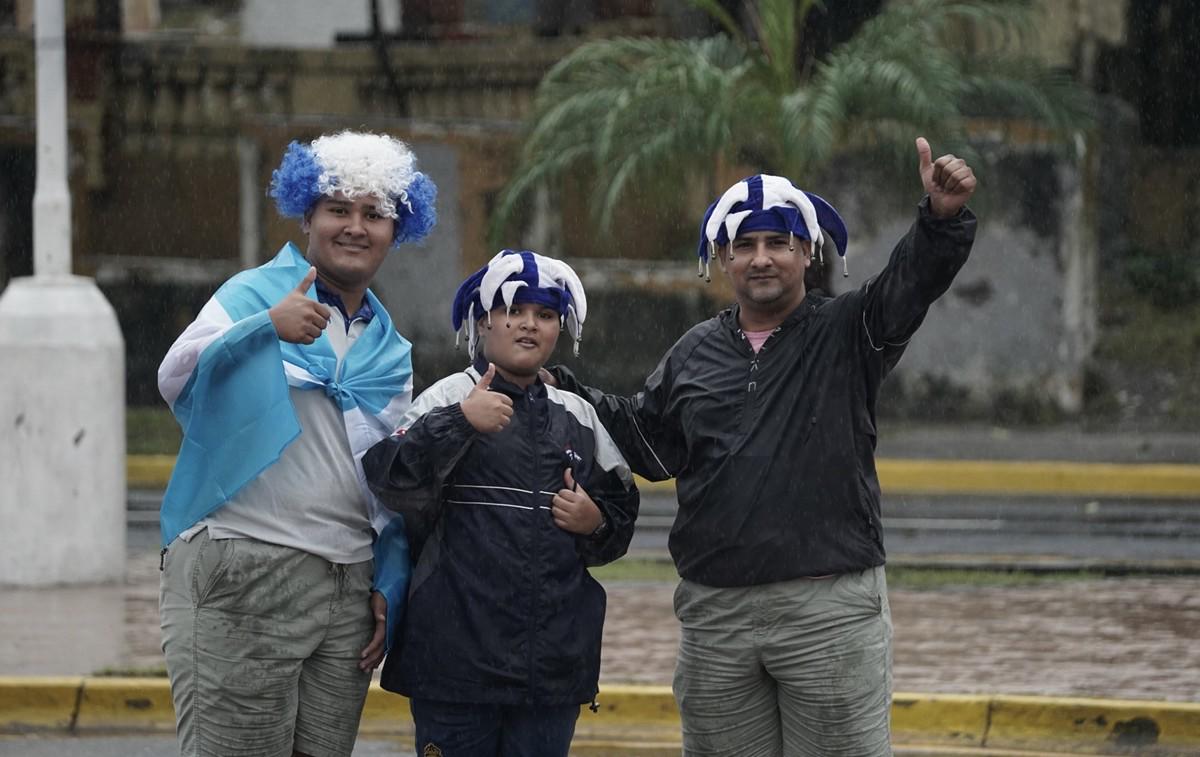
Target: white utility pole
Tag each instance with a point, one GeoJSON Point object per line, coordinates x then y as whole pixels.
{"type": "Point", "coordinates": [62, 378]}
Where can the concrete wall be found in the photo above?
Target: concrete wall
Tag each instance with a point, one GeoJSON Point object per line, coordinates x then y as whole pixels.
{"type": "Point", "coordinates": [311, 24]}
{"type": "Point", "coordinates": [1010, 338]}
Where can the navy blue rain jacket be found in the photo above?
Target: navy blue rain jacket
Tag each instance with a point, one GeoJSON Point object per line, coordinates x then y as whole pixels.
{"type": "Point", "coordinates": [501, 607]}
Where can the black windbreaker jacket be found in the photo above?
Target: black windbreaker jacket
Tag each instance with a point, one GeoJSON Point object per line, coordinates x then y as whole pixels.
{"type": "Point", "coordinates": [501, 607]}
{"type": "Point", "coordinates": [774, 454]}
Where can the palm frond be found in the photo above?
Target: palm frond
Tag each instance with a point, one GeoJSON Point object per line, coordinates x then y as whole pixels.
{"type": "Point", "coordinates": [1016, 88]}
{"type": "Point", "coordinates": [718, 13]}
{"type": "Point", "coordinates": [645, 113]}
{"type": "Point", "coordinates": [631, 109]}
{"type": "Point", "coordinates": [898, 77]}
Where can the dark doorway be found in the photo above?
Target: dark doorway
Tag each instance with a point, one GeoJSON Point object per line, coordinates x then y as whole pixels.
{"type": "Point", "coordinates": [16, 212]}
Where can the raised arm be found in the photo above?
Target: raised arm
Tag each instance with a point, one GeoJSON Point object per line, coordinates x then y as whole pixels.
{"type": "Point", "coordinates": [925, 262]}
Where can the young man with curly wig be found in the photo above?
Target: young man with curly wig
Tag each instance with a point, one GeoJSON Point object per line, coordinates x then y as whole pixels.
{"type": "Point", "coordinates": [281, 571]}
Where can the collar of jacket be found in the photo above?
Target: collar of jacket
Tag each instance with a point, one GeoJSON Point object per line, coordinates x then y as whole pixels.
{"type": "Point", "coordinates": [812, 299]}
{"type": "Point", "coordinates": [499, 383]}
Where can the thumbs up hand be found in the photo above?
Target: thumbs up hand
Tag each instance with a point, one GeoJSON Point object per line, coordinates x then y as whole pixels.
{"type": "Point", "coordinates": [487, 411]}
{"type": "Point", "coordinates": [573, 510]}
{"type": "Point", "coordinates": [948, 181]}
{"type": "Point", "coordinates": [298, 319]}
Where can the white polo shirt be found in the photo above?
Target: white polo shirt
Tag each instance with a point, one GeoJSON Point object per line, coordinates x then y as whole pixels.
{"type": "Point", "coordinates": [310, 499]}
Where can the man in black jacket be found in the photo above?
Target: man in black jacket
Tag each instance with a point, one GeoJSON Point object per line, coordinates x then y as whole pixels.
{"type": "Point", "coordinates": [765, 416]}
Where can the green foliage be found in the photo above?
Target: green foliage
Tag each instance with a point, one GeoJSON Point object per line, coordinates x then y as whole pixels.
{"type": "Point", "coordinates": [151, 431]}
{"type": "Point", "coordinates": [153, 671]}
{"type": "Point", "coordinates": [1148, 346]}
{"type": "Point", "coordinates": [1169, 280]}
{"type": "Point", "coordinates": [663, 112]}
{"type": "Point", "coordinates": [918, 579]}
{"type": "Point", "coordinates": [924, 579]}
{"type": "Point", "coordinates": [636, 569]}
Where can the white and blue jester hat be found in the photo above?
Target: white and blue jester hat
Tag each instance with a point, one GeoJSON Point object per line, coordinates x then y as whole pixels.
{"type": "Point", "coordinates": [769, 203]}
{"type": "Point", "coordinates": [357, 164]}
{"type": "Point", "coordinates": [513, 277]}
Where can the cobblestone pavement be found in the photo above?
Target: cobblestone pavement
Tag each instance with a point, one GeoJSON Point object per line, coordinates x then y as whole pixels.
{"type": "Point", "coordinates": [1117, 637]}
{"type": "Point", "coordinates": [1129, 638]}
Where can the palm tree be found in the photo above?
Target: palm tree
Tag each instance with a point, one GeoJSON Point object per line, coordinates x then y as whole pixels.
{"type": "Point", "coordinates": [652, 112]}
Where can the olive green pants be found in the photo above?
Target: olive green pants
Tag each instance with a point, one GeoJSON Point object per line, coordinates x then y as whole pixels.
{"type": "Point", "coordinates": [262, 645]}
{"type": "Point", "coordinates": [797, 668]}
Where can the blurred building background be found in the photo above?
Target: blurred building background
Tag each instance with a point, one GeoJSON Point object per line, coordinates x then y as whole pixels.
{"type": "Point", "coordinates": [180, 109]}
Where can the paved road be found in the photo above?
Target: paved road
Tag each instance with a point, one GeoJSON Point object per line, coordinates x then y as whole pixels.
{"type": "Point", "coordinates": [1115, 531]}
{"type": "Point", "coordinates": [1074, 528]}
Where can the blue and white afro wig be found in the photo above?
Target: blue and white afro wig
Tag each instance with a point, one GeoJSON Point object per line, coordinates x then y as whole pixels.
{"type": "Point", "coordinates": [357, 164]}
{"type": "Point", "coordinates": [769, 203]}
{"type": "Point", "coordinates": [514, 277]}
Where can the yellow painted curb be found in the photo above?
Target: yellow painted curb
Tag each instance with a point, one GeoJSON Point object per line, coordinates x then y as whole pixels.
{"type": "Point", "coordinates": [896, 476]}
{"type": "Point", "coordinates": [1095, 726]}
{"type": "Point", "coordinates": [1158, 480]}
{"type": "Point", "coordinates": [385, 713]}
{"type": "Point", "coordinates": [1038, 477]}
{"type": "Point", "coordinates": [942, 719]}
{"type": "Point", "coordinates": [126, 704]}
{"type": "Point", "coordinates": [647, 716]}
{"type": "Point", "coordinates": [645, 705]}
{"type": "Point", "coordinates": [148, 471]}
{"type": "Point", "coordinates": [38, 704]}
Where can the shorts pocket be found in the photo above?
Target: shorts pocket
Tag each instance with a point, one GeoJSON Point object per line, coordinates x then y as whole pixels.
{"type": "Point", "coordinates": [211, 564]}
{"type": "Point", "coordinates": [861, 590]}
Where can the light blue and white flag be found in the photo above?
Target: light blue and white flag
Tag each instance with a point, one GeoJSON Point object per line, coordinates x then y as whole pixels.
{"type": "Point", "coordinates": [226, 379]}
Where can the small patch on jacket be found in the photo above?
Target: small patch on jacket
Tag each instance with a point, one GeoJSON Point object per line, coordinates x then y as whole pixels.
{"type": "Point", "coordinates": [431, 750]}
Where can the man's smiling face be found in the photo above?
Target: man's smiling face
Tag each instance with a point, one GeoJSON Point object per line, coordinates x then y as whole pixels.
{"type": "Point", "coordinates": [348, 240]}
{"type": "Point", "coordinates": [767, 269]}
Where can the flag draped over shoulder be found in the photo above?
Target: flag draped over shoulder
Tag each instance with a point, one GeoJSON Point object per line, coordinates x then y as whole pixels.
{"type": "Point", "coordinates": [227, 377]}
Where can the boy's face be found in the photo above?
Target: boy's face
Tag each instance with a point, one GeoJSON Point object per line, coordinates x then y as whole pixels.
{"type": "Point", "coordinates": [520, 340]}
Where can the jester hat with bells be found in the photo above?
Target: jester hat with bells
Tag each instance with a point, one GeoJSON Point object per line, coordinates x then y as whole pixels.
{"type": "Point", "coordinates": [514, 277]}
{"type": "Point", "coordinates": [769, 203]}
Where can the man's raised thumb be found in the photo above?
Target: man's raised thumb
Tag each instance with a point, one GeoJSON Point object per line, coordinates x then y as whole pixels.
{"type": "Point", "coordinates": [924, 153]}
{"type": "Point", "coordinates": [308, 280]}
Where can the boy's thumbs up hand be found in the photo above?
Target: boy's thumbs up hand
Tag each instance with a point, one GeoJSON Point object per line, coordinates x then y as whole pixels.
{"type": "Point", "coordinates": [298, 319]}
{"type": "Point", "coordinates": [573, 510]}
{"type": "Point", "coordinates": [487, 411]}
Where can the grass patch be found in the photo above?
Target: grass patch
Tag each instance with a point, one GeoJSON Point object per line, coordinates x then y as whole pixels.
{"type": "Point", "coordinates": [958, 578]}
{"type": "Point", "coordinates": [636, 569]}
{"type": "Point", "coordinates": [650, 569]}
{"type": "Point", "coordinates": [154, 671]}
{"type": "Point", "coordinates": [151, 431]}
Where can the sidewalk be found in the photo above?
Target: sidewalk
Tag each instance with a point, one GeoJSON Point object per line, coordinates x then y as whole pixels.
{"type": "Point", "coordinates": [1129, 639]}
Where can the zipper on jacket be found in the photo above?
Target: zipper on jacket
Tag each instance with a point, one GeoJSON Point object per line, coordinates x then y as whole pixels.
{"type": "Point", "coordinates": [533, 423]}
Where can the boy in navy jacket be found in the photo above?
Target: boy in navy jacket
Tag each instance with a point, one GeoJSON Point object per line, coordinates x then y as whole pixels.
{"type": "Point", "coordinates": [510, 489]}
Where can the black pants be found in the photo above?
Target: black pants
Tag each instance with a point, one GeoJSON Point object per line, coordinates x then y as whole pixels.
{"type": "Point", "coordinates": [461, 729]}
